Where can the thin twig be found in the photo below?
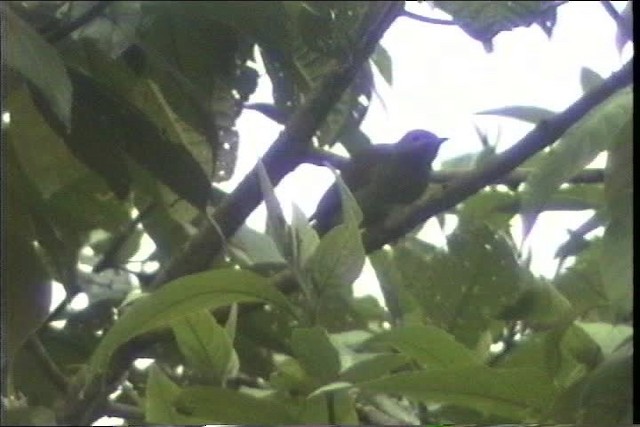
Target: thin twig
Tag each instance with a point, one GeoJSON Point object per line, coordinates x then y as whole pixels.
{"type": "Point", "coordinates": [82, 20]}
{"type": "Point", "coordinates": [611, 10]}
{"type": "Point", "coordinates": [56, 376]}
{"type": "Point", "coordinates": [427, 19]}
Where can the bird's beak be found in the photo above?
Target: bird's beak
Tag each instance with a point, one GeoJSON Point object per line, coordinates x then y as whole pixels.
{"type": "Point", "coordinates": [441, 140]}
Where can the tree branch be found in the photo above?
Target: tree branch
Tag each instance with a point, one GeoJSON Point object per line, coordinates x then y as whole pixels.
{"type": "Point", "coordinates": [53, 371]}
{"type": "Point", "coordinates": [426, 19]}
{"type": "Point", "coordinates": [545, 134]}
{"type": "Point", "coordinates": [588, 176]}
{"type": "Point", "coordinates": [89, 15]}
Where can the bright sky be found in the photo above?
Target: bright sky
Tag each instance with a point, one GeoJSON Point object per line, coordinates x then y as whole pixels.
{"type": "Point", "coordinates": [442, 77]}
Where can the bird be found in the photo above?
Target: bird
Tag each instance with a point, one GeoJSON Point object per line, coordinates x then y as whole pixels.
{"type": "Point", "coordinates": [381, 177]}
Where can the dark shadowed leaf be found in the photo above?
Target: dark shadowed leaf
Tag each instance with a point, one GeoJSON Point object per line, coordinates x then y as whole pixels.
{"type": "Point", "coordinates": [29, 54]}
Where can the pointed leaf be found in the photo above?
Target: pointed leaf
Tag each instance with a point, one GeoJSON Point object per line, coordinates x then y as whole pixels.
{"type": "Point", "coordinates": [180, 298]}
{"type": "Point", "coordinates": [39, 62]}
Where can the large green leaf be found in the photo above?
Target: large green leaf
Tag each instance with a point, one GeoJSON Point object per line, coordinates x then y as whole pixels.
{"type": "Point", "coordinates": [39, 62]}
{"type": "Point", "coordinates": [578, 147]}
{"type": "Point", "coordinates": [373, 367]}
{"type": "Point", "coordinates": [224, 406]}
{"type": "Point", "coordinates": [457, 290]}
{"type": "Point", "coordinates": [617, 244]}
{"type": "Point", "coordinates": [206, 346]}
{"type": "Point", "coordinates": [515, 394]}
{"type": "Point", "coordinates": [316, 354]}
{"type": "Point", "coordinates": [430, 346]}
{"type": "Point", "coordinates": [607, 398]}
{"type": "Point", "coordinates": [160, 400]}
{"type": "Point", "coordinates": [180, 298]}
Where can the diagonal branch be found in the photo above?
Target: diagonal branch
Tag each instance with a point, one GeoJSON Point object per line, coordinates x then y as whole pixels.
{"type": "Point", "coordinates": [545, 134]}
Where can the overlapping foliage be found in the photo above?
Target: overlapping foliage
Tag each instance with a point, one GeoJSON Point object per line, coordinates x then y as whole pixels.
{"type": "Point", "coordinates": [122, 110]}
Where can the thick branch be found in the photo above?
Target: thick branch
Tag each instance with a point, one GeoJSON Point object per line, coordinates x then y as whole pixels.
{"type": "Point", "coordinates": [286, 153]}
{"type": "Point", "coordinates": [517, 177]}
{"type": "Point", "coordinates": [545, 134]}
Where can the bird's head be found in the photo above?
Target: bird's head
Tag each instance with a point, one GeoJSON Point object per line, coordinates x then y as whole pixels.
{"type": "Point", "coordinates": [421, 142]}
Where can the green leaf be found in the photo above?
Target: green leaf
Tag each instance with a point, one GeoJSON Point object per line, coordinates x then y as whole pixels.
{"type": "Point", "coordinates": [254, 248]}
{"type": "Point", "coordinates": [277, 227]}
{"type": "Point", "coordinates": [490, 207]}
{"type": "Point", "coordinates": [529, 114]}
{"type": "Point", "coordinates": [180, 298]}
{"type": "Point", "coordinates": [579, 146]}
{"type": "Point", "coordinates": [589, 79]}
{"type": "Point", "coordinates": [305, 238]}
{"type": "Point", "coordinates": [457, 290]}
{"type": "Point", "coordinates": [541, 306]}
{"type": "Point", "coordinates": [607, 398]}
{"type": "Point", "coordinates": [224, 406]}
{"type": "Point", "coordinates": [373, 367]}
{"type": "Point", "coordinates": [483, 20]}
{"type": "Point", "coordinates": [430, 346]}
{"type": "Point", "coordinates": [316, 353]}
{"type": "Point", "coordinates": [617, 244]}
{"type": "Point", "coordinates": [515, 394]}
{"type": "Point", "coordinates": [338, 259]}
{"type": "Point", "coordinates": [608, 336]}
{"type": "Point", "coordinates": [160, 399]}
{"type": "Point", "coordinates": [39, 62]}
{"type": "Point", "coordinates": [382, 60]}
{"type": "Point", "coordinates": [206, 346]}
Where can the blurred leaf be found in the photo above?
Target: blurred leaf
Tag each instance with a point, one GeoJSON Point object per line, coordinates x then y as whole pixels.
{"type": "Point", "coordinates": [373, 367]}
{"type": "Point", "coordinates": [488, 206]}
{"type": "Point", "coordinates": [578, 147]}
{"type": "Point", "coordinates": [224, 406]}
{"type": "Point", "coordinates": [607, 395]}
{"type": "Point", "coordinates": [617, 246]}
{"type": "Point", "coordinates": [483, 20]}
{"type": "Point", "coordinates": [305, 238]}
{"type": "Point", "coordinates": [589, 79]}
{"type": "Point", "coordinates": [177, 299]}
{"type": "Point", "coordinates": [316, 353]}
{"type": "Point", "coordinates": [277, 227]}
{"type": "Point", "coordinates": [382, 60]}
{"type": "Point", "coordinates": [529, 114]}
{"type": "Point", "coordinates": [608, 336]}
{"type": "Point", "coordinates": [25, 280]}
{"type": "Point", "coordinates": [541, 306]}
{"type": "Point", "coordinates": [493, 391]}
{"type": "Point", "coordinates": [582, 283]}
{"type": "Point", "coordinates": [39, 62]}
{"type": "Point", "coordinates": [254, 248]}
{"type": "Point", "coordinates": [457, 290]}
{"type": "Point", "coordinates": [206, 346]}
{"type": "Point", "coordinates": [430, 346]}
{"type": "Point", "coordinates": [159, 401]}
{"type": "Point", "coordinates": [29, 416]}
{"type": "Point", "coordinates": [338, 259]}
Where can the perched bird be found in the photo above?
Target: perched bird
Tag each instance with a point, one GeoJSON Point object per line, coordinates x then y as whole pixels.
{"type": "Point", "coordinates": [381, 177]}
